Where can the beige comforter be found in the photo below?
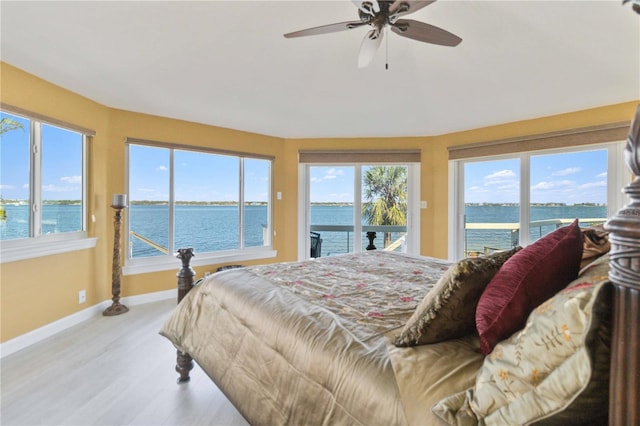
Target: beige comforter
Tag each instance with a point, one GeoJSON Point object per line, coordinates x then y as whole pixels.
{"type": "Point", "coordinates": [309, 342]}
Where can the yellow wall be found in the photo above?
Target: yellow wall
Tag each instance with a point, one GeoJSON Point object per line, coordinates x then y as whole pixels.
{"type": "Point", "coordinates": [38, 291]}
{"type": "Point", "coordinates": [434, 179]}
{"type": "Point", "coordinates": [128, 124]}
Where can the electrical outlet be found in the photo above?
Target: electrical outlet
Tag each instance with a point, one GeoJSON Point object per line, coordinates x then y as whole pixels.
{"type": "Point", "coordinates": [82, 296]}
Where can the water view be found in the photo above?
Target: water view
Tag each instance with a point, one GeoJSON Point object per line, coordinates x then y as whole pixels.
{"type": "Point", "coordinates": [214, 227]}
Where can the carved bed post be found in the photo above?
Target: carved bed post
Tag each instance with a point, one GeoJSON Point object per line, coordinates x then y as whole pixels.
{"type": "Point", "coordinates": [624, 229]}
{"type": "Point", "coordinates": [184, 363]}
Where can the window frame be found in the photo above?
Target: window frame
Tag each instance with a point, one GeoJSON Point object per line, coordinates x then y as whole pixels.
{"type": "Point", "coordinates": [616, 173]}
{"type": "Point", "coordinates": [140, 265]}
{"type": "Point", "coordinates": [412, 244]}
{"type": "Point", "coordinates": [36, 244]}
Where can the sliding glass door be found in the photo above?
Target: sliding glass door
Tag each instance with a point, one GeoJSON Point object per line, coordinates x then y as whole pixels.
{"type": "Point", "coordinates": [517, 199]}
{"type": "Point", "coordinates": [343, 203]}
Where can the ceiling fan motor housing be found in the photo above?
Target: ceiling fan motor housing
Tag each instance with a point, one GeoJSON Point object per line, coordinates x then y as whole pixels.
{"type": "Point", "coordinates": [368, 15]}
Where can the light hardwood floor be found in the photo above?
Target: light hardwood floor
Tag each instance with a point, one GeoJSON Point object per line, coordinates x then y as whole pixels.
{"type": "Point", "coordinates": [109, 371]}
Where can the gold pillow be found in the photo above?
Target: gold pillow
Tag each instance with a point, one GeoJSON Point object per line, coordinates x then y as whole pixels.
{"type": "Point", "coordinates": [448, 310]}
{"type": "Point", "coordinates": [555, 370]}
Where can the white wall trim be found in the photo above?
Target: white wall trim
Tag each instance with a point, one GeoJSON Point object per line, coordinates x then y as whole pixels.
{"type": "Point", "coordinates": [171, 263]}
{"type": "Point", "coordinates": [30, 248]}
{"type": "Point", "coordinates": [18, 343]}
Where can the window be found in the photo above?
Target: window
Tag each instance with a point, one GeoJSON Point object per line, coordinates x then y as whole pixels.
{"type": "Point", "coordinates": [346, 196]}
{"type": "Point", "coordinates": [342, 223]}
{"type": "Point", "coordinates": [516, 199]}
{"type": "Point", "coordinates": [216, 202]}
{"type": "Point", "coordinates": [43, 171]}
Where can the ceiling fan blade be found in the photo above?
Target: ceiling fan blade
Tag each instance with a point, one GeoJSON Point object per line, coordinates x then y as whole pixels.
{"type": "Point", "coordinates": [325, 29]}
{"type": "Point", "coordinates": [426, 33]}
{"type": "Point", "coordinates": [403, 7]}
{"type": "Point", "coordinates": [369, 47]}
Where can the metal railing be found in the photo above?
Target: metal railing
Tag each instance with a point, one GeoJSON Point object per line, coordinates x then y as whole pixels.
{"type": "Point", "coordinates": [348, 230]}
{"type": "Point", "coordinates": [149, 242]}
{"type": "Point", "coordinates": [514, 230]}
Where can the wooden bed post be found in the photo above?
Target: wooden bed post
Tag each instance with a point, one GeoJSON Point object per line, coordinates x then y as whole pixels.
{"type": "Point", "coordinates": [184, 362]}
{"type": "Point", "coordinates": [624, 229]}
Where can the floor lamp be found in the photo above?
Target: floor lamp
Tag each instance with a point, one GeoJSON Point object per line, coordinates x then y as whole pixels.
{"type": "Point", "coordinates": [118, 203]}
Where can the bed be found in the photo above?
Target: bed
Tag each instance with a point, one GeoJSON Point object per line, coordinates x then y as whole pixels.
{"type": "Point", "coordinates": [393, 339]}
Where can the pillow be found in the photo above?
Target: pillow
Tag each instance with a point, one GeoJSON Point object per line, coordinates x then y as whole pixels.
{"type": "Point", "coordinates": [527, 279]}
{"type": "Point", "coordinates": [596, 243]}
{"type": "Point", "coordinates": [448, 309]}
{"type": "Point", "coordinates": [554, 371]}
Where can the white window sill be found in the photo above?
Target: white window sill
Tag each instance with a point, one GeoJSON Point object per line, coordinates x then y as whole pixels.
{"type": "Point", "coordinates": [166, 263]}
{"type": "Point", "coordinates": [31, 248]}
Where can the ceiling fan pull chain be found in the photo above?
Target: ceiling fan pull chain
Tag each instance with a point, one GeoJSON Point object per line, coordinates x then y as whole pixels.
{"type": "Point", "coordinates": [386, 65]}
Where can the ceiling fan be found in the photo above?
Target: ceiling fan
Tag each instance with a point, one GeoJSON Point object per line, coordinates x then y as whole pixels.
{"type": "Point", "coordinates": [382, 15]}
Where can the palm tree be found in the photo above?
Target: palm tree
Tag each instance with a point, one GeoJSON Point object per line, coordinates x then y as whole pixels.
{"type": "Point", "coordinates": [385, 192]}
{"type": "Point", "coordinates": [7, 124]}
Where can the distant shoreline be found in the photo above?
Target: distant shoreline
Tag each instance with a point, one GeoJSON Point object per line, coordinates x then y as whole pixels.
{"type": "Point", "coordinates": [264, 203]}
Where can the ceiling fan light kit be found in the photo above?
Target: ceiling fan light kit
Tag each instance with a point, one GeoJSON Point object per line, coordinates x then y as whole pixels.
{"type": "Point", "coordinates": [382, 15]}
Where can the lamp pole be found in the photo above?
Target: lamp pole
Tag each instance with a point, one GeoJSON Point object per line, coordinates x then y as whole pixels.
{"type": "Point", "coordinates": [119, 203]}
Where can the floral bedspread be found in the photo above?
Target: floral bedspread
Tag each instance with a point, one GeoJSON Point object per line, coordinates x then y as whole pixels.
{"type": "Point", "coordinates": [378, 289]}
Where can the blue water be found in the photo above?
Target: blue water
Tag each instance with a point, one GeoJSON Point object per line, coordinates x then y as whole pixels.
{"type": "Point", "coordinates": [205, 228]}
{"type": "Point", "coordinates": [479, 240]}
{"type": "Point", "coordinates": [55, 218]}
{"type": "Point", "coordinates": [214, 228]}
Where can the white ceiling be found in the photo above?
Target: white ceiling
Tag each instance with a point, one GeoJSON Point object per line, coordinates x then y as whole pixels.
{"type": "Point", "coordinates": [226, 63]}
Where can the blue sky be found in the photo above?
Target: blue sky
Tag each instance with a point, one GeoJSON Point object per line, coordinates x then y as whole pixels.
{"type": "Point", "coordinates": [579, 177]}
{"type": "Point", "coordinates": [61, 163]}
{"type": "Point", "coordinates": [331, 184]}
{"type": "Point", "coordinates": [198, 176]}
{"type": "Point", "coordinates": [568, 178]}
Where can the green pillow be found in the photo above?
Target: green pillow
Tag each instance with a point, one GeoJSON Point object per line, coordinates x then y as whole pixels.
{"type": "Point", "coordinates": [449, 308]}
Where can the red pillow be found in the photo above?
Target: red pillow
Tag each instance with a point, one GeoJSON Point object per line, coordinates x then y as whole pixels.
{"type": "Point", "coordinates": [528, 278]}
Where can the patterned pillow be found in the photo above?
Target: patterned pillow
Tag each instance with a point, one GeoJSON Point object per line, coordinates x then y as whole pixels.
{"type": "Point", "coordinates": [448, 309]}
{"type": "Point", "coordinates": [555, 370]}
{"type": "Point", "coordinates": [526, 280]}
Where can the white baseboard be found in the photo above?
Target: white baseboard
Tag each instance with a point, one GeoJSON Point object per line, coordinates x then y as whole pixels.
{"type": "Point", "coordinates": [149, 298]}
{"type": "Point", "coordinates": [18, 343]}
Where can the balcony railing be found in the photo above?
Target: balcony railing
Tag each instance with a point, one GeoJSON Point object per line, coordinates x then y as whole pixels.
{"type": "Point", "coordinates": [339, 239]}
{"type": "Point", "coordinates": [488, 236]}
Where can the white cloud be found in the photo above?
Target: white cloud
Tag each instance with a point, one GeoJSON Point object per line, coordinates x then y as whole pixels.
{"type": "Point", "coordinates": [56, 188]}
{"type": "Point", "coordinates": [162, 169]}
{"type": "Point", "coordinates": [333, 173]}
{"type": "Point", "coordinates": [6, 187]}
{"type": "Point", "coordinates": [71, 179]}
{"type": "Point", "coordinates": [329, 174]}
{"type": "Point", "coordinates": [555, 184]}
{"type": "Point", "coordinates": [590, 185]}
{"type": "Point", "coordinates": [602, 175]}
{"type": "Point", "coordinates": [567, 171]}
{"type": "Point", "coordinates": [503, 180]}
{"type": "Point", "coordinates": [502, 174]}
